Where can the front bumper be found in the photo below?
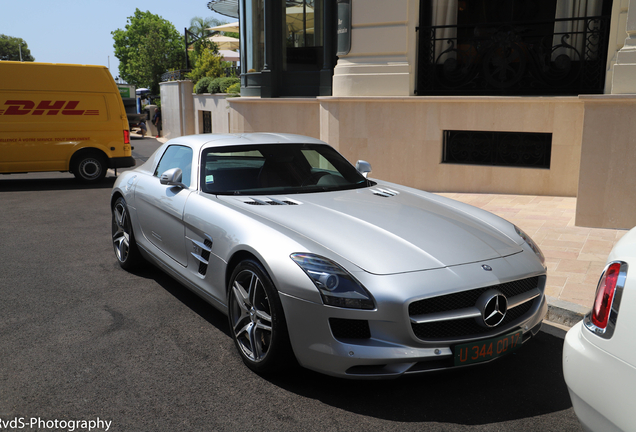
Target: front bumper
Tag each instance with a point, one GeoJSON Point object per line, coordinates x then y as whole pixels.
{"type": "Point", "coordinates": [601, 386]}
{"type": "Point", "coordinates": [121, 162]}
{"type": "Point", "coordinates": [391, 350]}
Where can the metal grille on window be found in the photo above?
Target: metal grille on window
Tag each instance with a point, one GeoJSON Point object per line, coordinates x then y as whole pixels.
{"type": "Point", "coordinates": [207, 122]}
{"type": "Point", "coordinates": [512, 149]}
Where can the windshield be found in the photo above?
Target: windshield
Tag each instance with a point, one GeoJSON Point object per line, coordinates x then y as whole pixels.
{"type": "Point", "coordinates": [276, 169]}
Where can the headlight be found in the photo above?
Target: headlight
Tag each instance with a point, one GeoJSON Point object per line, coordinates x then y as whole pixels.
{"type": "Point", "coordinates": [337, 287]}
{"type": "Point", "coordinates": [526, 238]}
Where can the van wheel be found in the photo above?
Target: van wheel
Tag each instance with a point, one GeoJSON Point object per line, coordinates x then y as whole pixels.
{"type": "Point", "coordinates": [89, 167]}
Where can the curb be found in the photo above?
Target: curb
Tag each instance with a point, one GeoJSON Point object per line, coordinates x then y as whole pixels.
{"type": "Point", "coordinates": [564, 312]}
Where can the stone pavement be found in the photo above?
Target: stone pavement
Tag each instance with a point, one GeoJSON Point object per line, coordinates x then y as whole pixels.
{"type": "Point", "coordinates": [575, 256]}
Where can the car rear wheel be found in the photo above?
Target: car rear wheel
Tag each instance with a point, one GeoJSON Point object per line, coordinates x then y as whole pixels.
{"type": "Point", "coordinates": [124, 244]}
{"type": "Point", "coordinates": [256, 319]}
{"type": "Point", "coordinates": [89, 167]}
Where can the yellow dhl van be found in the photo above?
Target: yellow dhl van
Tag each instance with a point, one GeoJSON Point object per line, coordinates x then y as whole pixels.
{"type": "Point", "coordinates": [61, 117]}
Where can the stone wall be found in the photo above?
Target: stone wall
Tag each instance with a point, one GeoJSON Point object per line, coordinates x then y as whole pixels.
{"type": "Point", "coordinates": [593, 145]}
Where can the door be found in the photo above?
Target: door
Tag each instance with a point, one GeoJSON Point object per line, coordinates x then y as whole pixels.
{"type": "Point", "coordinates": [160, 207]}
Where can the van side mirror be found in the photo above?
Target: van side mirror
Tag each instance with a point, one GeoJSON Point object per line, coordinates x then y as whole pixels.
{"type": "Point", "coordinates": [172, 177]}
{"type": "Point", "coordinates": [363, 167]}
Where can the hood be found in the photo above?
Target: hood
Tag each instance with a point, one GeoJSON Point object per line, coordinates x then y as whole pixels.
{"type": "Point", "coordinates": [386, 232]}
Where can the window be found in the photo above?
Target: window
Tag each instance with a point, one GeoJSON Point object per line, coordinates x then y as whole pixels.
{"type": "Point", "coordinates": [303, 34]}
{"type": "Point", "coordinates": [207, 122]}
{"type": "Point", "coordinates": [255, 35]}
{"type": "Point", "coordinates": [176, 157]}
{"type": "Point", "coordinates": [512, 149]}
{"type": "Point", "coordinates": [513, 47]}
{"type": "Point", "coordinates": [276, 169]}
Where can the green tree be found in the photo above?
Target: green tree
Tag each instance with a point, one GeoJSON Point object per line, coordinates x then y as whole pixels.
{"type": "Point", "coordinates": [10, 49]}
{"type": "Point", "coordinates": [199, 25]}
{"type": "Point", "coordinates": [206, 60]}
{"type": "Point", "coordinates": [148, 47]}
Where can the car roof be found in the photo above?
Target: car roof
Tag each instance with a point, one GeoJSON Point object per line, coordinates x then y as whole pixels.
{"type": "Point", "coordinates": [225, 140]}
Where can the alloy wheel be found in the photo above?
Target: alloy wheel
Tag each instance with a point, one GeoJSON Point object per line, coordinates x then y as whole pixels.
{"type": "Point", "coordinates": [121, 231]}
{"type": "Point", "coordinates": [250, 316]}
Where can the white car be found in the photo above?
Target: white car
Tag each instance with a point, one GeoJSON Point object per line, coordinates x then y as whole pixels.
{"type": "Point", "coordinates": [313, 261]}
{"type": "Point", "coordinates": [599, 353]}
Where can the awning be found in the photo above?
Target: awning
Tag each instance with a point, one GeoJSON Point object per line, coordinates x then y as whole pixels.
{"type": "Point", "coordinates": [230, 56]}
{"type": "Point", "coordinates": [225, 7]}
{"type": "Point", "coordinates": [231, 27]}
{"type": "Point", "coordinates": [225, 42]}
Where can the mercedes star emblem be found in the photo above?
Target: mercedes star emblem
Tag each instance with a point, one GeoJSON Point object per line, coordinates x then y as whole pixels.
{"type": "Point", "coordinates": [493, 306]}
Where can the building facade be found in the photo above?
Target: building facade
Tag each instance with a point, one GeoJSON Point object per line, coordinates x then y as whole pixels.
{"type": "Point", "coordinates": [516, 96]}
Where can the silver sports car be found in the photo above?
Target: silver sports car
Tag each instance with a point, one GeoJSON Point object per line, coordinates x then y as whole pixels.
{"type": "Point", "coordinates": [313, 262]}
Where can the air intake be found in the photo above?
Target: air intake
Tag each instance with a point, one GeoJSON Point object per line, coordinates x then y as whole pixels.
{"type": "Point", "coordinates": [269, 201]}
{"type": "Point", "coordinates": [384, 192]}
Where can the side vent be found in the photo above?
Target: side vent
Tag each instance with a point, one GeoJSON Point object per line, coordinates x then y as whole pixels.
{"type": "Point", "coordinates": [270, 201]}
{"type": "Point", "coordinates": [202, 253]}
{"type": "Point", "coordinates": [384, 192]}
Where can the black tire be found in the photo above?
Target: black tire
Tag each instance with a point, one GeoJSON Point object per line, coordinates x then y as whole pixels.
{"type": "Point", "coordinates": [89, 167]}
{"type": "Point", "coordinates": [257, 321]}
{"type": "Point", "coordinates": [124, 244]}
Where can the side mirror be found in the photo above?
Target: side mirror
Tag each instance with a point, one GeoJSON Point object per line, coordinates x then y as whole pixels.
{"type": "Point", "coordinates": [172, 177]}
{"type": "Point", "coordinates": [363, 167]}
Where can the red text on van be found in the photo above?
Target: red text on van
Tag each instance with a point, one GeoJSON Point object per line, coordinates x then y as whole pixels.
{"type": "Point", "coordinates": [25, 107]}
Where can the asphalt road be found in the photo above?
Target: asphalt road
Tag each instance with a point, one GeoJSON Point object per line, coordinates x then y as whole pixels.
{"type": "Point", "coordinates": [82, 339]}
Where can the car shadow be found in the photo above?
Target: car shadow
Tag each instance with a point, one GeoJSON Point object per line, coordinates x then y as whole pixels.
{"type": "Point", "coordinates": [525, 384]}
{"type": "Point", "coordinates": [51, 184]}
{"type": "Point", "coordinates": [185, 296]}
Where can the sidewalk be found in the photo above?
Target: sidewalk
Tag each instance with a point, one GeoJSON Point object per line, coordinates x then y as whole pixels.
{"type": "Point", "coordinates": [575, 256]}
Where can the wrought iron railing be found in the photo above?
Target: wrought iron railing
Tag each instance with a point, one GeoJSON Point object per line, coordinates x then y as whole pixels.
{"type": "Point", "coordinates": [175, 75]}
{"type": "Point", "coordinates": [179, 75]}
{"type": "Point", "coordinates": [560, 57]}
{"type": "Point", "coordinates": [232, 71]}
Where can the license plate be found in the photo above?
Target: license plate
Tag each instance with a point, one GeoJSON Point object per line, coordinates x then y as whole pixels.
{"type": "Point", "coordinates": [488, 349]}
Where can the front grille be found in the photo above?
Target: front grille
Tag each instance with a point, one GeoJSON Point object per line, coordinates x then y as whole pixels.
{"type": "Point", "coordinates": [468, 327]}
{"type": "Point", "coordinates": [349, 328]}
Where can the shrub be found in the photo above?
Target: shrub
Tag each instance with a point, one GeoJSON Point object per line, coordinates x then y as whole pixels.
{"type": "Point", "coordinates": [234, 88]}
{"type": "Point", "coordinates": [227, 82]}
{"type": "Point", "coordinates": [202, 85]}
{"type": "Point", "coordinates": [215, 85]}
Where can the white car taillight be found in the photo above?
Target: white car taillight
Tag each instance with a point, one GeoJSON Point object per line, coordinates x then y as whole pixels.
{"type": "Point", "coordinates": [602, 319]}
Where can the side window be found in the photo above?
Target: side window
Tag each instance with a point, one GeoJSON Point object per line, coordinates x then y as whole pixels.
{"type": "Point", "coordinates": [176, 157]}
{"type": "Point", "coordinates": [318, 161]}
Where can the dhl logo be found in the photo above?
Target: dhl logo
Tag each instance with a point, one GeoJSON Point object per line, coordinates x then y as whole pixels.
{"type": "Point", "coordinates": [25, 107]}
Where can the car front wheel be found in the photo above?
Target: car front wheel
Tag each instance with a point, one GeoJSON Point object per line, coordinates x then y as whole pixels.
{"type": "Point", "coordinates": [124, 244]}
{"type": "Point", "coordinates": [256, 319]}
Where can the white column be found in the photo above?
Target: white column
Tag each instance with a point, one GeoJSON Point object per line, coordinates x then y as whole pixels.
{"type": "Point", "coordinates": [382, 57]}
{"type": "Point", "coordinates": [624, 71]}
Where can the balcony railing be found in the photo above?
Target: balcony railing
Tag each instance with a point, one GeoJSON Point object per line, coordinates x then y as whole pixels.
{"type": "Point", "coordinates": [175, 75]}
{"type": "Point", "coordinates": [180, 75]}
{"type": "Point", "coordinates": [560, 57]}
